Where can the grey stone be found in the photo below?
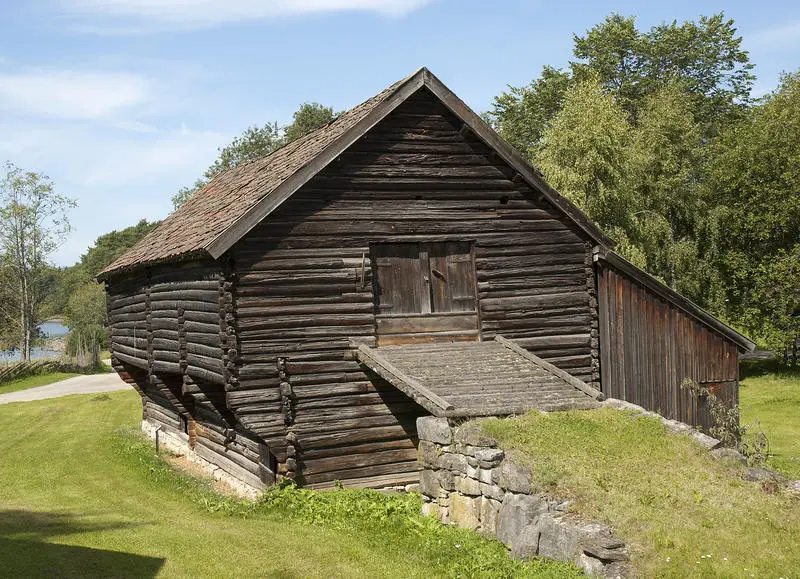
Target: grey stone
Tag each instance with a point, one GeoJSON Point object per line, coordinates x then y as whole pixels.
{"type": "Point", "coordinates": [793, 487]}
{"type": "Point", "coordinates": [412, 488]}
{"type": "Point", "coordinates": [494, 455]}
{"type": "Point", "coordinates": [591, 566]}
{"type": "Point", "coordinates": [489, 511]}
{"type": "Point", "coordinates": [763, 475]}
{"type": "Point", "coordinates": [559, 540]}
{"type": "Point", "coordinates": [512, 477]}
{"type": "Point", "coordinates": [430, 510]}
{"type": "Point", "coordinates": [428, 454]}
{"type": "Point", "coordinates": [465, 511]}
{"type": "Point", "coordinates": [456, 463]}
{"type": "Point", "coordinates": [472, 461]}
{"type": "Point", "coordinates": [429, 483]}
{"type": "Point", "coordinates": [447, 480]}
{"type": "Point", "coordinates": [473, 436]}
{"type": "Point", "coordinates": [468, 486]}
{"type": "Point", "coordinates": [492, 491]}
{"type": "Point", "coordinates": [728, 454]}
{"type": "Point", "coordinates": [706, 441]}
{"type": "Point", "coordinates": [485, 475]}
{"type": "Point", "coordinates": [433, 429]}
{"type": "Point", "coordinates": [518, 513]}
{"type": "Point", "coordinates": [622, 405]}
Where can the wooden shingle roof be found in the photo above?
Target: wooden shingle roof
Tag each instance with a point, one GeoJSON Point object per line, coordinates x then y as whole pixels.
{"type": "Point", "coordinates": [235, 201]}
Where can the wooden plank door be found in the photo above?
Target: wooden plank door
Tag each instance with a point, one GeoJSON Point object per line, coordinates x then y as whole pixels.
{"type": "Point", "coordinates": [425, 292]}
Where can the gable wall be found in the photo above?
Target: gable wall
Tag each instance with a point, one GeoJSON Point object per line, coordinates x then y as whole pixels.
{"type": "Point", "coordinates": [301, 291]}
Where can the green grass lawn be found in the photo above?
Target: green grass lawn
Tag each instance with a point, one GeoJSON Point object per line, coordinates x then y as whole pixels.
{"type": "Point", "coordinates": [81, 494]}
{"type": "Point", "coordinates": [772, 397]}
{"type": "Point", "coordinates": [683, 513]}
{"type": "Point", "coordinates": [34, 381]}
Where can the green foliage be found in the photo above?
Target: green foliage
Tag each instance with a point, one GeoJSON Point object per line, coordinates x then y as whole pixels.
{"type": "Point", "coordinates": [309, 117]}
{"type": "Point", "coordinates": [661, 493]}
{"type": "Point", "coordinates": [704, 57]}
{"type": "Point", "coordinates": [749, 439]}
{"type": "Point", "coordinates": [86, 317]}
{"type": "Point", "coordinates": [33, 223]}
{"type": "Point", "coordinates": [753, 178]}
{"type": "Point", "coordinates": [583, 155]}
{"type": "Point", "coordinates": [257, 142]}
{"type": "Point", "coordinates": [521, 115]}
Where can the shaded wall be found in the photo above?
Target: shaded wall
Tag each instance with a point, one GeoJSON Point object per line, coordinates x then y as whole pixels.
{"type": "Point", "coordinates": [648, 347]}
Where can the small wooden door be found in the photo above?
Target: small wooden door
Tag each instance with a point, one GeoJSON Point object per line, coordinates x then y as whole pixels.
{"type": "Point", "coordinates": [425, 292]}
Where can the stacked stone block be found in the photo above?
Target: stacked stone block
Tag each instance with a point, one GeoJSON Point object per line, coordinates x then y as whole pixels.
{"type": "Point", "coordinates": [471, 483]}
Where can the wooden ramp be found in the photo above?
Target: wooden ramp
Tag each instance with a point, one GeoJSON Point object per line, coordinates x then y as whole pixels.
{"type": "Point", "coordinates": [464, 379]}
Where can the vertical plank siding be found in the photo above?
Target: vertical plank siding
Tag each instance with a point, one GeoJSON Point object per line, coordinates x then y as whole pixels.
{"type": "Point", "coordinates": [648, 347]}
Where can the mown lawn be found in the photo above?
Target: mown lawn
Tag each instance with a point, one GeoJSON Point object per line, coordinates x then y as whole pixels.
{"type": "Point", "coordinates": [684, 514]}
{"type": "Point", "coordinates": [772, 396]}
{"type": "Point", "coordinates": [34, 381]}
{"type": "Point", "coordinates": [81, 494]}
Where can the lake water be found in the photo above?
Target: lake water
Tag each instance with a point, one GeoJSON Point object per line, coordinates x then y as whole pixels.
{"type": "Point", "coordinates": [51, 329]}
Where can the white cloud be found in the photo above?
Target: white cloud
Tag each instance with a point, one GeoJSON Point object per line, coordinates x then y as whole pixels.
{"type": "Point", "coordinates": [131, 16]}
{"type": "Point", "coordinates": [72, 94]}
{"type": "Point", "coordinates": [776, 38]}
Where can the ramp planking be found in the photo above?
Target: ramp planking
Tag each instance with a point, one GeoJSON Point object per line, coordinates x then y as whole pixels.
{"type": "Point", "coordinates": [470, 379]}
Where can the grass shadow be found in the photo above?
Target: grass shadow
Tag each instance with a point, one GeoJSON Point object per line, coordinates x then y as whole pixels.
{"type": "Point", "coordinates": [25, 550]}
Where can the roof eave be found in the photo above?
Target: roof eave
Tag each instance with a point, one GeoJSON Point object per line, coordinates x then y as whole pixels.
{"type": "Point", "coordinates": [676, 299]}
{"type": "Point", "coordinates": [422, 77]}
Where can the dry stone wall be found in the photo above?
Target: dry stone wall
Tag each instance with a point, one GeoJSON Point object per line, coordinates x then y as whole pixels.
{"type": "Point", "coordinates": [471, 483]}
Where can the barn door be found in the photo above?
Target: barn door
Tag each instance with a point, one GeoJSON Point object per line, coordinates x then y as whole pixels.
{"type": "Point", "coordinates": [425, 292]}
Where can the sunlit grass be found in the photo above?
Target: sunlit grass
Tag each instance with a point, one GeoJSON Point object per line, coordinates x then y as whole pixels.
{"type": "Point", "coordinates": [82, 494]}
{"type": "Point", "coordinates": [772, 396]}
{"type": "Point", "coordinates": [683, 513]}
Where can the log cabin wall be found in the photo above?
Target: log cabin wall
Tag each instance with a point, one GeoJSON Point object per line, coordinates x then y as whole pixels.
{"type": "Point", "coordinates": [172, 333]}
{"type": "Point", "coordinates": [649, 346]}
{"type": "Point", "coordinates": [304, 289]}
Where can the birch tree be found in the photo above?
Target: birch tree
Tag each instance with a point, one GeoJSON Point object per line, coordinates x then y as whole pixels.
{"type": "Point", "coordinates": [33, 223]}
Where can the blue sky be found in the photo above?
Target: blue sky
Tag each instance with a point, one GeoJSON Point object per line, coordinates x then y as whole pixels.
{"type": "Point", "coordinates": [123, 102]}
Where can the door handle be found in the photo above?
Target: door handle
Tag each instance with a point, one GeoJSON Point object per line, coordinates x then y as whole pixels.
{"type": "Point", "coordinates": [438, 274]}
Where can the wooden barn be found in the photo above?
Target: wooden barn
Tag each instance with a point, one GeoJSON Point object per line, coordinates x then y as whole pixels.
{"type": "Point", "coordinates": [298, 314]}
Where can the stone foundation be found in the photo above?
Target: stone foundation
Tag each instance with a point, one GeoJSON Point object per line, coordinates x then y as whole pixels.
{"type": "Point", "coordinates": [472, 483]}
{"type": "Point", "coordinates": [178, 443]}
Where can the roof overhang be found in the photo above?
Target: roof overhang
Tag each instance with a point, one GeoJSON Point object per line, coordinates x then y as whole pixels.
{"type": "Point", "coordinates": [671, 296]}
{"type": "Point", "coordinates": [422, 78]}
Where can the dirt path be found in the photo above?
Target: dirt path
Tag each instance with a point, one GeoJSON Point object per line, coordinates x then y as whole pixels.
{"type": "Point", "coordinates": [78, 385]}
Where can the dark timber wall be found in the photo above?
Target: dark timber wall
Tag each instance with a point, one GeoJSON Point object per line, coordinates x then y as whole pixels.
{"type": "Point", "coordinates": [171, 338]}
{"type": "Point", "coordinates": [648, 347]}
{"type": "Point", "coordinates": [304, 289]}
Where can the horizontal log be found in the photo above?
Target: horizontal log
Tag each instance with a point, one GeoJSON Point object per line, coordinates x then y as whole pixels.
{"type": "Point", "coordinates": [344, 475]}
{"type": "Point", "coordinates": [357, 460]}
{"type": "Point", "coordinates": [203, 374]}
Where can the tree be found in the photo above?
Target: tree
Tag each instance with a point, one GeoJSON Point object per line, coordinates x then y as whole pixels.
{"type": "Point", "coordinates": [663, 163]}
{"type": "Point", "coordinates": [309, 117]}
{"type": "Point", "coordinates": [106, 249]}
{"type": "Point", "coordinates": [753, 234]}
{"type": "Point", "coordinates": [258, 142]}
{"type": "Point", "coordinates": [33, 223]}
{"type": "Point", "coordinates": [521, 115]}
{"type": "Point", "coordinates": [86, 317]}
{"type": "Point", "coordinates": [703, 58]}
{"type": "Point", "coordinates": [582, 155]}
